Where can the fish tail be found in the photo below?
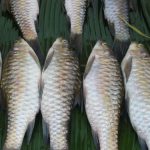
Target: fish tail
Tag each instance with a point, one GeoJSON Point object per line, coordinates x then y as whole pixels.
{"type": "Point", "coordinates": [58, 132]}
{"type": "Point", "coordinates": [142, 144]}
{"type": "Point", "coordinates": [6, 148]}
{"type": "Point", "coordinates": [36, 47]}
{"type": "Point", "coordinates": [76, 43]}
{"type": "Point", "coordinates": [120, 48]}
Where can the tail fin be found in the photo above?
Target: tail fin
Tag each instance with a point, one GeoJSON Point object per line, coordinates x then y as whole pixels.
{"type": "Point", "coordinates": [120, 48]}
{"type": "Point", "coordinates": [76, 43]}
{"type": "Point", "coordinates": [142, 144]}
{"type": "Point", "coordinates": [36, 47]}
{"type": "Point", "coordinates": [5, 148]}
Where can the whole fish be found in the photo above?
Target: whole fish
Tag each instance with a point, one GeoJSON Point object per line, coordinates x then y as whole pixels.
{"type": "Point", "coordinates": [136, 71]}
{"type": "Point", "coordinates": [103, 91]}
{"type": "Point", "coordinates": [20, 84]}
{"type": "Point", "coordinates": [76, 12]}
{"type": "Point", "coordinates": [114, 9]}
{"type": "Point", "coordinates": [25, 13]}
{"type": "Point", "coordinates": [60, 85]}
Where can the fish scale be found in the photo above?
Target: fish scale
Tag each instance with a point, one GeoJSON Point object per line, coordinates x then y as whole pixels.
{"type": "Point", "coordinates": [102, 98]}
{"type": "Point", "coordinates": [137, 85]}
{"type": "Point", "coordinates": [76, 12]}
{"type": "Point", "coordinates": [113, 10]}
{"type": "Point", "coordinates": [25, 13]}
{"type": "Point", "coordinates": [20, 83]}
{"type": "Point", "coordinates": [60, 80]}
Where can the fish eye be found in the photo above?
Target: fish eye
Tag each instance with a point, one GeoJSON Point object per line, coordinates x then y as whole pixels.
{"type": "Point", "coordinates": [139, 45]}
{"type": "Point", "coordinates": [104, 44]}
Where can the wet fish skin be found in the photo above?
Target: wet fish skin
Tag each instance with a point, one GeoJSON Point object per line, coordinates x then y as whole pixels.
{"type": "Point", "coordinates": [25, 13]}
{"type": "Point", "coordinates": [136, 72]}
{"type": "Point", "coordinates": [76, 12]}
{"type": "Point", "coordinates": [103, 91]}
{"type": "Point", "coordinates": [113, 10]}
{"type": "Point", "coordinates": [20, 83]}
{"type": "Point", "coordinates": [60, 85]}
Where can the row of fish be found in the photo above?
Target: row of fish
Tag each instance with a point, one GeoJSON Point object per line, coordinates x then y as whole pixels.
{"type": "Point", "coordinates": [22, 83]}
{"type": "Point", "coordinates": [25, 13]}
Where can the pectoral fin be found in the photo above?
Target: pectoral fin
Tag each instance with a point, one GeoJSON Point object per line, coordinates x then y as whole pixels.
{"type": "Point", "coordinates": [30, 131]}
{"type": "Point", "coordinates": [89, 65]}
{"type": "Point", "coordinates": [126, 67]}
{"type": "Point", "coordinates": [45, 131]}
{"type": "Point", "coordinates": [48, 58]}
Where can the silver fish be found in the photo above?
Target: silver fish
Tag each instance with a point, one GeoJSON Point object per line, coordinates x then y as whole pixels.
{"type": "Point", "coordinates": [60, 85]}
{"type": "Point", "coordinates": [114, 9]}
{"type": "Point", "coordinates": [136, 72]}
{"type": "Point", "coordinates": [76, 12]}
{"type": "Point", "coordinates": [103, 91]}
{"type": "Point", "coordinates": [20, 83]}
{"type": "Point", "coordinates": [25, 13]}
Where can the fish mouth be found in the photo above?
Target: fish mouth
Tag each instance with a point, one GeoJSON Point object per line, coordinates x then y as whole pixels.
{"type": "Point", "coordinates": [137, 49]}
{"type": "Point", "coordinates": [62, 42]}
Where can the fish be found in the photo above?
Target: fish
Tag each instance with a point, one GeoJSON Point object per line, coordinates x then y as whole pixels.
{"type": "Point", "coordinates": [103, 92]}
{"type": "Point", "coordinates": [136, 71]}
{"type": "Point", "coordinates": [21, 75]}
{"type": "Point", "coordinates": [114, 11]}
{"type": "Point", "coordinates": [25, 13]}
{"type": "Point", "coordinates": [61, 84]}
{"type": "Point", "coordinates": [76, 10]}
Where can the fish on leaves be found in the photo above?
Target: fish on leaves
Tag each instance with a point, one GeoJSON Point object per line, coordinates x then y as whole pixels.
{"type": "Point", "coordinates": [61, 83]}
{"type": "Point", "coordinates": [136, 71]}
{"type": "Point", "coordinates": [21, 75]}
{"type": "Point", "coordinates": [103, 92]}
{"type": "Point", "coordinates": [114, 11]}
{"type": "Point", "coordinates": [25, 13]}
{"type": "Point", "coordinates": [76, 12]}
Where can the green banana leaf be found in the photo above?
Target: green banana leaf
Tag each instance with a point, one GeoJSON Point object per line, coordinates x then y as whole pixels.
{"type": "Point", "coordinates": [53, 23]}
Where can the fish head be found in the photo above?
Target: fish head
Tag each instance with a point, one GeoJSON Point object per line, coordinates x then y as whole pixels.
{"type": "Point", "coordinates": [60, 44]}
{"type": "Point", "coordinates": [137, 50]}
{"type": "Point", "coordinates": [21, 44]}
{"type": "Point", "coordinates": [101, 49]}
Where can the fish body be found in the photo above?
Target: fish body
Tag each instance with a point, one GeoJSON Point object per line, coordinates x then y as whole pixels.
{"type": "Point", "coordinates": [136, 71]}
{"type": "Point", "coordinates": [113, 10]}
{"type": "Point", "coordinates": [103, 91]}
{"type": "Point", "coordinates": [25, 13]}
{"type": "Point", "coordinates": [60, 85]}
{"type": "Point", "coordinates": [76, 12]}
{"type": "Point", "coordinates": [20, 84]}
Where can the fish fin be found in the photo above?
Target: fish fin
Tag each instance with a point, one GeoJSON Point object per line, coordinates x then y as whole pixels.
{"type": "Point", "coordinates": [111, 28]}
{"type": "Point", "coordinates": [30, 130]}
{"type": "Point", "coordinates": [45, 131]}
{"type": "Point", "coordinates": [88, 65]}
{"type": "Point", "coordinates": [79, 100]}
{"type": "Point", "coordinates": [120, 48]}
{"type": "Point", "coordinates": [96, 140]}
{"type": "Point", "coordinates": [5, 5]}
{"type": "Point", "coordinates": [36, 47]}
{"type": "Point", "coordinates": [48, 58]}
{"type": "Point", "coordinates": [76, 43]}
{"type": "Point", "coordinates": [126, 67]}
{"type": "Point", "coordinates": [5, 148]}
{"type": "Point", "coordinates": [142, 144]}
{"type": "Point", "coordinates": [34, 56]}
{"type": "Point", "coordinates": [3, 100]}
